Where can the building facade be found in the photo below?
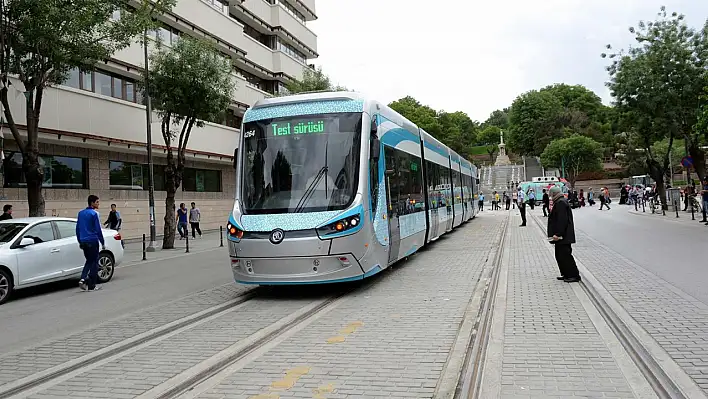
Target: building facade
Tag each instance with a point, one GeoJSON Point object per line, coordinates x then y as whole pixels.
{"type": "Point", "coordinates": [93, 127]}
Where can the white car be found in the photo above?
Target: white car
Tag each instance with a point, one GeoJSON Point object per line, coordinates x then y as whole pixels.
{"type": "Point", "coordinates": [40, 250]}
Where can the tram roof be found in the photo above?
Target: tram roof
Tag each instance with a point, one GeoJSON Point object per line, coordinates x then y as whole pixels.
{"type": "Point", "coordinates": [310, 96]}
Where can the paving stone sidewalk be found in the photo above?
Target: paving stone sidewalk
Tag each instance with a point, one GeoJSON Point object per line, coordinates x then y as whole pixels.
{"type": "Point", "coordinates": [678, 322]}
{"type": "Point", "coordinates": [551, 347]}
{"type": "Point", "coordinates": [391, 339]}
{"type": "Point", "coordinates": [54, 352]}
{"type": "Point", "coordinates": [133, 252]}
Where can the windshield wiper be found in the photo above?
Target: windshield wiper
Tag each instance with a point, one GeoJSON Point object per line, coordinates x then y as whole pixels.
{"type": "Point", "coordinates": [311, 189]}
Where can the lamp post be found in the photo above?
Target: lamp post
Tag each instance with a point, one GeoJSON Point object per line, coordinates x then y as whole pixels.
{"type": "Point", "coordinates": [148, 117]}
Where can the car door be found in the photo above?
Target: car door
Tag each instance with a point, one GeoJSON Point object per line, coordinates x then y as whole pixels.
{"type": "Point", "coordinates": [41, 260]}
{"type": "Point", "coordinates": [71, 254]}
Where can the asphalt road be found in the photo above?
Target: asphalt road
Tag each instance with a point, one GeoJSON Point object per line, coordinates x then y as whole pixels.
{"type": "Point", "coordinates": [48, 311]}
{"type": "Point", "coordinates": [674, 251]}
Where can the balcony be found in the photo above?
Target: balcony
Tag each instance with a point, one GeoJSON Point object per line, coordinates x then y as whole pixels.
{"type": "Point", "coordinates": [258, 53]}
{"type": "Point", "coordinates": [209, 18]}
{"type": "Point", "coordinates": [287, 65]}
{"type": "Point", "coordinates": [248, 94]}
{"type": "Point", "coordinates": [76, 111]}
{"type": "Point", "coordinates": [281, 17]}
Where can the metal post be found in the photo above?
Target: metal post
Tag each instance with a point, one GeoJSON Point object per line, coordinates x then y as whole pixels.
{"type": "Point", "coordinates": [144, 255]}
{"type": "Point", "coordinates": [676, 208]}
{"type": "Point", "coordinates": [644, 205]}
{"type": "Point", "coordinates": [186, 236]}
{"type": "Point", "coordinates": [221, 235]}
{"type": "Point", "coordinates": [693, 211]}
{"type": "Point", "coordinates": [151, 176]}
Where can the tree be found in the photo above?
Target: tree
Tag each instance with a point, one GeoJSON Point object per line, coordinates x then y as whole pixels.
{"type": "Point", "coordinates": [423, 116]}
{"type": "Point", "coordinates": [490, 137]}
{"type": "Point", "coordinates": [577, 154]}
{"type": "Point", "coordinates": [498, 118]}
{"type": "Point", "coordinates": [658, 86]}
{"type": "Point", "coordinates": [534, 121]}
{"type": "Point", "coordinates": [40, 42]}
{"type": "Point", "coordinates": [459, 131]}
{"type": "Point", "coordinates": [312, 80]}
{"type": "Point", "coordinates": [189, 83]}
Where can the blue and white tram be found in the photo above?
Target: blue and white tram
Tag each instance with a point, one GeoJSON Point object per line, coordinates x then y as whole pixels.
{"type": "Point", "coordinates": [335, 187]}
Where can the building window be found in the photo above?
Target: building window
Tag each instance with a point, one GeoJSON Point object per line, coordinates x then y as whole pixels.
{"type": "Point", "coordinates": [232, 120]}
{"type": "Point", "coordinates": [293, 11]}
{"type": "Point", "coordinates": [219, 5]}
{"type": "Point", "coordinates": [290, 50]}
{"type": "Point", "coordinates": [59, 172]}
{"type": "Point", "coordinates": [201, 180]}
{"type": "Point", "coordinates": [134, 176]}
{"type": "Point", "coordinates": [107, 84]}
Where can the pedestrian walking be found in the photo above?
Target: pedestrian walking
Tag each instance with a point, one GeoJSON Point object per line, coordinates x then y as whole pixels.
{"type": "Point", "coordinates": [532, 198]}
{"type": "Point", "coordinates": [546, 203]}
{"type": "Point", "coordinates": [114, 220]}
{"type": "Point", "coordinates": [480, 202]}
{"type": "Point", "coordinates": [522, 206]}
{"type": "Point", "coordinates": [6, 212]}
{"type": "Point", "coordinates": [89, 235]}
{"type": "Point", "coordinates": [194, 216]}
{"type": "Point", "coordinates": [561, 233]}
{"type": "Point", "coordinates": [604, 199]}
{"type": "Point", "coordinates": [515, 200]}
{"type": "Point", "coordinates": [182, 221]}
{"type": "Point", "coordinates": [507, 200]}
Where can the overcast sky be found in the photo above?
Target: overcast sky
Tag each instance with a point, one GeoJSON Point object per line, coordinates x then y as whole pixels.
{"type": "Point", "coordinates": [476, 56]}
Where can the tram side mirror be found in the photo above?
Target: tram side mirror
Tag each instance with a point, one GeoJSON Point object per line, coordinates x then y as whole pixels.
{"type": "Point", "coordinates": [375, 149]}
{"type": "Point", "coordinates": [235, 158]}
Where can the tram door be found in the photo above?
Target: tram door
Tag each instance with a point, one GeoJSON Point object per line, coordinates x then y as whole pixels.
{"type": "Point", "coordinates": [393, 205]}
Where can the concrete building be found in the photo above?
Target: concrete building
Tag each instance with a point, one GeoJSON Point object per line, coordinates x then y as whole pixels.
{"type": "Point", "coordinates": [93, 127]}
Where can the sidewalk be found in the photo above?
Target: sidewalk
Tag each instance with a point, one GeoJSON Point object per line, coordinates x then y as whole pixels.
{"type": "Point", "coordinates": [210, 241]}
{"type": "Point", "coordinates": [547, 339]}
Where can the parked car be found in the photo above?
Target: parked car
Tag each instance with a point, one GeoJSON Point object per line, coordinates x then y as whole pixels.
{"type": "Point", "coordinates": [40, 250]}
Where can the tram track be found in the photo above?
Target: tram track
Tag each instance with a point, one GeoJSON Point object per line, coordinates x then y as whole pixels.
{"type": "Point", "coordinates": [41, 378]}
{"type": "Point", "coordinates": [660, 382]}
{"type": "Point", "coordinates": [469, 383]}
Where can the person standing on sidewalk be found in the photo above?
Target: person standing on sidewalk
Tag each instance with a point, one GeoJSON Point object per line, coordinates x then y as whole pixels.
{"type": "Point", "coordinates": [561, 233]}
{"type": "Point", "coordinates": [522, 206]}
{"type": "Point", "coordinates": [182, 221]}
{"type": "Point", "coordinates": [6, 212]}
{"type": "Point", "coordinates": [546, 203]}
{"type": "Point", "coordinates": [704, 196]}
{"type": "Point", "coordinates": [194, 217]}
{"type": "Point", "coordinates": [89, 235]}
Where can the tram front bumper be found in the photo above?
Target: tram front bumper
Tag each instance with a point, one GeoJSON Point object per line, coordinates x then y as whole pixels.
{"type": "Point", "coordinates": [294, 271]}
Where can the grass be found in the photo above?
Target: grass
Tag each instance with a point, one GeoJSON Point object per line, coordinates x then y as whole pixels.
{"type": "Point", "coordinates": [479, 150]}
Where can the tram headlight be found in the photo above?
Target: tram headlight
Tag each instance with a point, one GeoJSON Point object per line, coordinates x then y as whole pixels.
{"type": "Point", "coordinates": [340, 226]}
{"type": "Point", "coordinates": [234, 231]}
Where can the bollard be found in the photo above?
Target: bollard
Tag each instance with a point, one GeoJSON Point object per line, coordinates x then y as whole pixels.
{"type": "Point", "coordinates": [186, 236]}
{"type": "Point", "coordinates": [144, 248]}
{"type": "Point", "coordinates": [221, 235]}
{"type": "Point", "coordinates": [676, 208]}
{"type": "Point", "coordinates": [693, 212]}
{"type": "Point", "coordinates": [644, 208]}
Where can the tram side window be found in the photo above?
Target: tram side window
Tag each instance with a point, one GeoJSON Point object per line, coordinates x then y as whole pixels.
{"type": "Point", "coordinates": [457, 187]}
{"type": "Point", "coordinates": [411, 192]}
{"type": "Point", "coordinates": [393, 179]}
{"type": "Point", "coordinates": [433, 185]}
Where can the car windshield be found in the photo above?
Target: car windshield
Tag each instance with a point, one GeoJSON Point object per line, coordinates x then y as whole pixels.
{"type": "Point", "coordinates": [8, 231]}
{"type": "Point", "coordinates": [301, 164]}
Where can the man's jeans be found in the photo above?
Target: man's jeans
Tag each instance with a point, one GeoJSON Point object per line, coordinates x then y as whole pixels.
{"type": "Point", "coordinates": [182, 229]}
{"type": "Point", "coordinates": [705, 208]}
{"type": "Point", "coordinates": [90, 272]}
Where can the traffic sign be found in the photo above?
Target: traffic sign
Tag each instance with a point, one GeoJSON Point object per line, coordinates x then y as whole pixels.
{"type": "Point", "coordinates": [687, 162]}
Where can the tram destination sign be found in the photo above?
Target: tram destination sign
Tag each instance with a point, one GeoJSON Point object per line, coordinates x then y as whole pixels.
{"type": "Point", "coordinates": [306, 126]}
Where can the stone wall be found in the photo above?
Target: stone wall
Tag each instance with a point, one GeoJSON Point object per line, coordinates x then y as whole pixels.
{"type": "Point", "coordinates": [132, 204]}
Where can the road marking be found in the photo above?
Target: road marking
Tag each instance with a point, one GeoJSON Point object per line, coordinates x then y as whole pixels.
{"type": "Point", "coordinates": [290, 379]}
{"type": "Point", "coordinates": [349, 329]}
{"type": "Point", "coordinates": [322, 391]}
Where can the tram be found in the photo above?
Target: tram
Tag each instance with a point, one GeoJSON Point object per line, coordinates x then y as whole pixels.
{"type": "Point", "coordinates": [334, 187]}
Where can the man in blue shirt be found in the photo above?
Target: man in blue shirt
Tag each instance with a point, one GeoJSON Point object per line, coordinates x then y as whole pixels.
{"type": "Point", "coordinates": [89, 235]}
{"type": "Point", "coordinates": [704, 197]}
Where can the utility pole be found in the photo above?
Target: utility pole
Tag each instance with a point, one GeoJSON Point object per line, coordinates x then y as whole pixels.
{"type": "Point", "coordinates": [151, 176]}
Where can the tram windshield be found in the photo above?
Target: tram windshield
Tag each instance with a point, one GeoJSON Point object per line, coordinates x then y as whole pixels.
{"type": "Point", "coordinates": [301, 164]}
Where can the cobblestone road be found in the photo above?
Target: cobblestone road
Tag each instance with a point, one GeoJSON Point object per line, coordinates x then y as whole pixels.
{"type": "Point", "coordinates": [550, 346]}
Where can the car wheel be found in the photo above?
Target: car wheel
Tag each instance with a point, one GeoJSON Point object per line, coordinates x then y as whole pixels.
{"type": "Point", "coordinates": [6, 286]}
{"type": "Point", "coordinates": [106, 267]}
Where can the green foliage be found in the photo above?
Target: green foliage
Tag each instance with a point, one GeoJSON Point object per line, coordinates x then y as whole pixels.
{"type": "Point", "coordinates": [576, 153]}
{"type": "Point", "coordinates": [189, 83]}
{"type": "Point", "coordinates": [41, 41]}
{"type": "Point", "coordinates": [498, 118]}
{"type": "Point", "coordinates": [490, 137]}
{"type": "Point", "coordinates": [657, 87]}
{"type": "Point", "coordinates": [312, 80]}
{"type": "Point", "coordinates": [456, 129]}
{"type": "Point", "coordinates": [534, 118]}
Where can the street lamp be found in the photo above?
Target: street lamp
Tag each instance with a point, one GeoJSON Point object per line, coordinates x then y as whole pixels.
{"type": "Point", "coordinates": [148, 117]}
